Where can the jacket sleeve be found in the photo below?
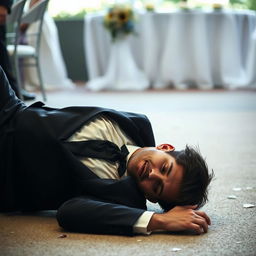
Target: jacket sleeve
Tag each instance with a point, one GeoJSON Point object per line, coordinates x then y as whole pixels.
{"type": "Point", "coordinates": [91, 215]}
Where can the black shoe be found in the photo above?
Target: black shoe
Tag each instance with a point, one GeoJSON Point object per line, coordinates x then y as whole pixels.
{"type": "Point", "coordinates": [27, 95]}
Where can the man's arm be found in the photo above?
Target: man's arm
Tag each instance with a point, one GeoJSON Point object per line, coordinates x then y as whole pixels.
{"type": "Point", "coordinates": [180, 218]}
{"type": "Point", "coordinates": [92, 215]}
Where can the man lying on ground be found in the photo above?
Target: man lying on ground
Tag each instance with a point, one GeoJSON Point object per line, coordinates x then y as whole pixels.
{"type": "Point", "coordinates": [97, 166]}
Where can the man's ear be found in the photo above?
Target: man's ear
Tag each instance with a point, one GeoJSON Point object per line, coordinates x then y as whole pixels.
{"type": "Point", "coordinates": [166, 147]}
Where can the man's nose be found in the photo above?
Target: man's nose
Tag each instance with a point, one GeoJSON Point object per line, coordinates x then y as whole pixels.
{"type": "Point", "coordinates": [155, 174]}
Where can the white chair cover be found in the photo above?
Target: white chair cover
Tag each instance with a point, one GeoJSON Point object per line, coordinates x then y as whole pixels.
{"type": "Point", "coordinates": [52, 64]}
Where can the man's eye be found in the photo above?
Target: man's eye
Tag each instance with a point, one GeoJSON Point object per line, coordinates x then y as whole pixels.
{"type": "Point", "coordinates": [163, 170]}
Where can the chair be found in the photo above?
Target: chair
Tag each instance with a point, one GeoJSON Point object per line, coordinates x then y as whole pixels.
{"type": "Point", "coordinates": [35, 14]}
{"type": "Point", "coordinates": [13, 23]}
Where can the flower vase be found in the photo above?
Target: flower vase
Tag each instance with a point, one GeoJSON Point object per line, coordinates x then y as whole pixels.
{"type": "Point", "coordinates": [122, 72]}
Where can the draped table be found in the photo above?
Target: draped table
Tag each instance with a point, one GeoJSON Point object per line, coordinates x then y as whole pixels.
{"type": "Point", "coordinates": [184, 49]}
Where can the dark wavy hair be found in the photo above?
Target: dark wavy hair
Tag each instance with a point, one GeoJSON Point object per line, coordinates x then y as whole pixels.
{"type": "Point", "coordinates": [196, 178]}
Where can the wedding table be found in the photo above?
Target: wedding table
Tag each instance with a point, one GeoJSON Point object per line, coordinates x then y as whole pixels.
{"type": "Point", "coordinates": [183, 49]}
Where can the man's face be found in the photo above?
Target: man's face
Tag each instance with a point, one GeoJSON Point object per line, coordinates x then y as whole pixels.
{"type": "Point", "coordinates": [157, 173]}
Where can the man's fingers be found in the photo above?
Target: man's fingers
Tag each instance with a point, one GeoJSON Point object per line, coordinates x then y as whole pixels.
{"type": "Point", "coordinates": [197, 228]}
{"type": "Point", "coordinates": [201, 221]}
{"type": "Point", "coordinates": [186, 217]}
{"type": "Point", "coordinates": [199, 225]}
{"type": "Point", "coordinates": [204, 215]}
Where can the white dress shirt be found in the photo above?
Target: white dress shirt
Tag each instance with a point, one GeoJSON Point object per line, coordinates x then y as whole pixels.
{"type": "Point", "coordinates": [102, 128]}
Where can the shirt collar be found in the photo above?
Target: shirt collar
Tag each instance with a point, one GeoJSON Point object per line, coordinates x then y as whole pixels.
{"type": "Point", "coordinates": [131, 149]}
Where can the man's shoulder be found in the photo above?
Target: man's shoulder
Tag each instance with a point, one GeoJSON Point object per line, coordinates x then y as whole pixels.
{"type": "Point", "coordinates": [95, 109]}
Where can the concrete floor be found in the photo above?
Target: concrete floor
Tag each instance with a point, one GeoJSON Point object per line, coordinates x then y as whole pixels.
{"type": "Point", "coordinates": [222, 123]}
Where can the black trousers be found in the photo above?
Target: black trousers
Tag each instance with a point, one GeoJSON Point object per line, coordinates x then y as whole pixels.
{"type": "Point", "coordinates": [10, 104]}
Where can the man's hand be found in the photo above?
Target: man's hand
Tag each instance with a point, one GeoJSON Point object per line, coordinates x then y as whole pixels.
{"type": "Point", "coordinates": [3, 15]}
{"type": "Point", "coordinates": [180, 218]}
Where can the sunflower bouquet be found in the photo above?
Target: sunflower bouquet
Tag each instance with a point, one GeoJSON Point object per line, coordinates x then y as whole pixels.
{"type": "Point", "coordinates": [119, 20]}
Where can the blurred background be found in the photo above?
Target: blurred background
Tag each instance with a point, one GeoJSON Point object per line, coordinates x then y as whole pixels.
{"type": "Point", "coordinates": [71, 18]}
{"type": "Point", "coordinates": [136, 45]}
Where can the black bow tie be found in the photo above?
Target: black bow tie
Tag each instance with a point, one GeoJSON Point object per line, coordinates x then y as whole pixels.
{"type": "Point", "coordinates": [101, 149]}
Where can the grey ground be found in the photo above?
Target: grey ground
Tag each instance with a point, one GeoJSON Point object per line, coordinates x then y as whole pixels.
{"type": "Point", "coordinates": [222, 123]}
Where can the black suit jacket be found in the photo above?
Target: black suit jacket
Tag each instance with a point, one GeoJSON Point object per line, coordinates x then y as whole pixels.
{"type": "Point", "coordinates": [43, 174]}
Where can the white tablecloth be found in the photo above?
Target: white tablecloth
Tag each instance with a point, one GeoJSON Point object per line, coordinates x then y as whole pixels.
{"type": "Point", "coordinates": [184, 49]}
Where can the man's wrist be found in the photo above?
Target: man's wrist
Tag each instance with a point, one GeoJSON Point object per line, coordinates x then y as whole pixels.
{"type": "Point", "coordinates": [156, 222]}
